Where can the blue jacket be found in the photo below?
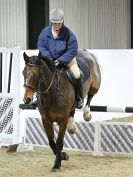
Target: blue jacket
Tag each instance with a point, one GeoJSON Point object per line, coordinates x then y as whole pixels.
{"type": "Point", "coordinates": [64, 47]}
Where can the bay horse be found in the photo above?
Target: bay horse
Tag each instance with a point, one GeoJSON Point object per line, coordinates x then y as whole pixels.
{"type": "Point", "coordinates": [56, 96]}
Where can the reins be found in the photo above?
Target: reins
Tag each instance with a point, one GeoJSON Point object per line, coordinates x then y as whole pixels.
{"type": "Point", "coordinates": [47, 90]}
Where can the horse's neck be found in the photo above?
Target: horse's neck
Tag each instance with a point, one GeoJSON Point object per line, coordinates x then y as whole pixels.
{"type": "Point", "coordinates": [45, 66]}
{"type": "Point", "coordinates": [47, 74]}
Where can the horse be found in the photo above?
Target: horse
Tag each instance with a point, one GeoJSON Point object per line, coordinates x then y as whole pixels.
{"type": "Point", "coordinates": [56, 95]}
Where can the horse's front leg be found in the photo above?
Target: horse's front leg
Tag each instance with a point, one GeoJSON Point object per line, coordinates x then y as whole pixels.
{"type": "Point", "coordinates": [59, 146]}
{"type": "Point", "coordinates": [50, 134]}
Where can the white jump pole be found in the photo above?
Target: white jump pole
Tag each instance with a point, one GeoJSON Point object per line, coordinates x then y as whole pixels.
{"type": "Point", "coordinates": [111, 109]}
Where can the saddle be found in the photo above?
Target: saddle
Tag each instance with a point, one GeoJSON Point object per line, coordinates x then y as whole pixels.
{"type": "Point", "coordinates": [84, 70]}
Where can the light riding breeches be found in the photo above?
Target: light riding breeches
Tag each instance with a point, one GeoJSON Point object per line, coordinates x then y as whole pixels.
{"type": "Point", "coordinates": [74, 68]}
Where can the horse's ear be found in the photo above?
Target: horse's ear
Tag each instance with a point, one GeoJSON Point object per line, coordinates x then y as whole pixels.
{"type": "Point", "coordinates": [26, 58]}
{"type": "Point", "coordinates": [39, 55]}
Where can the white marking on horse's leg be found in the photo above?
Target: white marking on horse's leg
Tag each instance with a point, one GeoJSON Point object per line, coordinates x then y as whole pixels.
{"type": "Point", "coordinates": [87, 114]}
{"type": "Point", "coordinates": [71, 127]}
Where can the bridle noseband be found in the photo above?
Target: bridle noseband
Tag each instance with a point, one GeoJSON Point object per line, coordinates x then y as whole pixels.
{"type": "Point", "coordinates": [30, 87]}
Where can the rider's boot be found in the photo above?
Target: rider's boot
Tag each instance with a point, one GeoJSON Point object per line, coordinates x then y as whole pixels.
{"type": "Point", "coordinates": [80, 101]}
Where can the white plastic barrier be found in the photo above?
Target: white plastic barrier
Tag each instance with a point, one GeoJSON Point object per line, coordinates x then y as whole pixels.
{"type": "Point", "coordinates": [107, 138]}
{"type": "Point", "coordinates": [9, 95]}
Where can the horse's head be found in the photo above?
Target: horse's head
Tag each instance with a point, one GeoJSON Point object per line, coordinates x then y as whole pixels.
{"type": "Point", "coordinates": [31, 75]}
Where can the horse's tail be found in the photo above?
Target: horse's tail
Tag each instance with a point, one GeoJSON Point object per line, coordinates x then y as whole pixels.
{"type": "Point", "coordinates": [100, 66]}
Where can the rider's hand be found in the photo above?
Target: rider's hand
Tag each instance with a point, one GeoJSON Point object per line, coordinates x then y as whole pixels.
{"type": "Point", "coordinates": [56, 62]}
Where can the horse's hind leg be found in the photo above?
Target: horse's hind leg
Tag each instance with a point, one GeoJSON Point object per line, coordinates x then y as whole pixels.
{"type": "Point", "coordinates": [86, 110]}
{"type": "Point", "coordinates": [71, 127]}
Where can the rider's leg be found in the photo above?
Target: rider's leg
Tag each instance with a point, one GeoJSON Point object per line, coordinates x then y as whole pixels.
{"type": "Point", "coordinates": [76, 72]}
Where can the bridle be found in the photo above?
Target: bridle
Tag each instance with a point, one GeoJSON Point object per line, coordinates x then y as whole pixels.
{"type": "Point", "coordinates": [36, 89]}
{"type": "Point", "coordinates": [30, 86]}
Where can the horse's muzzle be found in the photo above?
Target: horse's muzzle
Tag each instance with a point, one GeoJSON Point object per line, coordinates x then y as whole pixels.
{"type": "Point", "coordinates": [27, 100]}
{"type": "Point", "coordinates": [28, 95]}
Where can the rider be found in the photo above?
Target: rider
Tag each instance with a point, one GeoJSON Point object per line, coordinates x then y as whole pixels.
{"type": "Point", "coordinates": [57, 42]}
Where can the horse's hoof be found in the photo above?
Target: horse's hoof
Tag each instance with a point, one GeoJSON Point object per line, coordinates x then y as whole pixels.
{"type": "Point", "coordinates": [64, 156]}
{"type": "Point", "coordinates": [56, 169]}
{"type": "Point", "coordinates": [72, 131]}
{"type": "Point", "coordinates": [67, 157]}
{"type": "Point", "coordinates": [87, 115]}
{"type": "Point", "coordinates": [71, 127]}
